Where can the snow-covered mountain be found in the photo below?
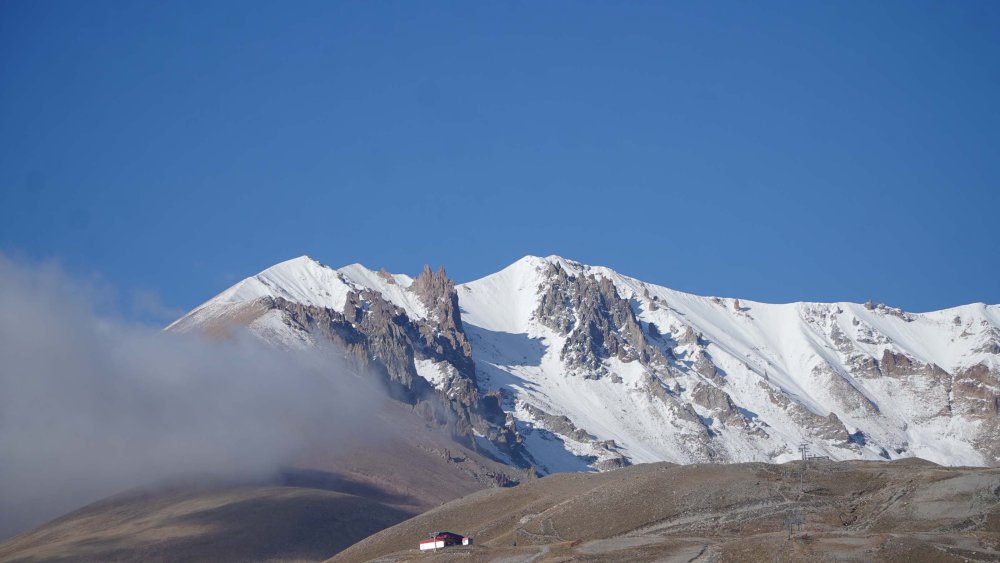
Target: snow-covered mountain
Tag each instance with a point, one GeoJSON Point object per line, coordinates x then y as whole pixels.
{"type": "Point", "coordinates": [564, 366]}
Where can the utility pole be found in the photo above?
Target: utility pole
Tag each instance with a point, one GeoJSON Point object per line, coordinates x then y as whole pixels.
{"type": "Point", "coordinates": [804, 449]}
{"type": "Point", "coordinates": [793, 520]}
{"type": "Point", "coordinates": [793, 517]}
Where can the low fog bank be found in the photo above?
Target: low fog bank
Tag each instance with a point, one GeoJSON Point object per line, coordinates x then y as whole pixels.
{"type": "Point", "coordinates": [91, 405]}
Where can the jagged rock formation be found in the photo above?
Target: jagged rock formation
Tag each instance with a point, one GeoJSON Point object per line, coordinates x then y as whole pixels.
{"type": "Point", "coordinates": [442, 329]}
{"type": "Point", "coordinates": [598, 322]}
{"type": "Point", "coordinates": [381, 339]}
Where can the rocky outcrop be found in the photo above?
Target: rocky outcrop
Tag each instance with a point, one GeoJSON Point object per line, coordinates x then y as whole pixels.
{"type": "Point", "coordinates": [989, 347]}
{"type": "Point", "coordinates": [849, 397]}
{"type": "Point", "coordinates": [926, 387]}
{"type": "Point", "coordinates": [705, 367]}
{"type": "Point", "coordinates": [443, 338]}
{"type": "Point", "coordinates": [899, 366]}
{"type": "Point", "coordinates": [976, 395]}
{"type": "Point", "coordinates": [887, 310]}
{"type": "Point", "coordinates": [442, 331]}
{"type": "Point", "coordinates": [652, 301]}
{"type": "Point", "coordinates": [990, 342]}
{"type": "Point", "coordinates": [840, 339]}
{"type": "Point", "coordinates": [690, 337]}
{"type": "Point", "coordinates": [598, 322]}
{"type": "Point", "coordinates": [976, 392]}
{"type": "Point", "coordinates": [863, 366]}
{"type": "Point", "coordinates": [893, 364]}
{"type": "Point", "coordinates": [385, 338]}
{"type": "Point", "coordinates": [607, 456]}
{"type": "Point", "coordinates": [558, 424]}
{"type": "Point", "coordinates": [381, 339]}
{"type": "Point", "coordinates": [719, 403]}
{"type": "Point", "coordinates": [828, 427]}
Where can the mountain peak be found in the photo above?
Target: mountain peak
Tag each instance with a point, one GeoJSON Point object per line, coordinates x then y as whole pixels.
{"type": "Point", "coordinates": [536, 261]}
{"type": "Point", "coordinates": [302, 280]}
{"type": "Point", "coordinates": [303, 261]}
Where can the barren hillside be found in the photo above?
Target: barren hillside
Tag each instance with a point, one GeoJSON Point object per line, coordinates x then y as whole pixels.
{"type": "Point", "coordinates": [850, 511]}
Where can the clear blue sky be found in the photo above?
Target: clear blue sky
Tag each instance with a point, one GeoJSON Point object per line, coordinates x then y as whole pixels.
{"type": "Point", "coordinates": [774, 151]}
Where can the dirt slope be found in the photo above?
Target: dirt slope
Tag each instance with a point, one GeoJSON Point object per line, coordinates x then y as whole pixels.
{"type": "Point", "coordinates": [883, 511]}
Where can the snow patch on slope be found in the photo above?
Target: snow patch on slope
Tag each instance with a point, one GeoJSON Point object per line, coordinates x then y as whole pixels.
{"type": "Point", "coordinates": [436, 373]}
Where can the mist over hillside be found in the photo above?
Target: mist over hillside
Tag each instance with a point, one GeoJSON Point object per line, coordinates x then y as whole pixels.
{"type": "Point", "coordinates": [91, 405]}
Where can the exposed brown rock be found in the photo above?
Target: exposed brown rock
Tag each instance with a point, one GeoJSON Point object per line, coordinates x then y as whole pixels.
{"type": "Point", "coordinates": [600, 323]}
{"type": "Point", "coordinates": [690, 337]}
{"type": "Point", "coordinates": [444, 334]}
{"type": "Point", "coordinates": [380, 338]}
{"type": "Point", "coordinates": [704, 366]}
{"type": "Point", "coordinates": [975, 392]}
{"type": "Point", "coordinates": [560, 424]}
{"type": "Point", "coordinates": [898, 365]}
{"type": "Point", "coordinates": [849, 397]}
{"type": "Point", "coordinates": [386, 276]}
{"type": "Point", "coordinates": [718, 402]}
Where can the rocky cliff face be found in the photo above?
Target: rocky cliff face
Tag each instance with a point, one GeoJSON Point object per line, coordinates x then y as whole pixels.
{"type": "Point", "coordinates": [442, 328]}
{"type": "Point", "coordinates": [599, 324]}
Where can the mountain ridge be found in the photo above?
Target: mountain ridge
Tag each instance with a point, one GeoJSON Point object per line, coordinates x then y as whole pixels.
{"type": "Point", "coordinates": [535, 259]}
{"type": "Point", "coordinates": [584, 368]}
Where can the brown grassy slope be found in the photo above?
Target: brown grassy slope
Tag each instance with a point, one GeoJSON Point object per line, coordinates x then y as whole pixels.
{"type": "Point", "coordinates": [909, 510]}
{"type": "Point", "coordinates": [336, 496]}
{"type": "Point", "coordinates": [231, 523]}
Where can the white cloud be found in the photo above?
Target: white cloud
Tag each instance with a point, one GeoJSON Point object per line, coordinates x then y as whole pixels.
{"type": "Point", "coordinates": [90, 405]}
